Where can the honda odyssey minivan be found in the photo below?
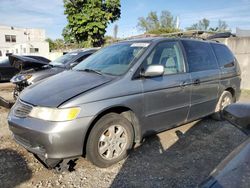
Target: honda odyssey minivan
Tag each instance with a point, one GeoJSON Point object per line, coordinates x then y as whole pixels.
{"type": "Point", "coordinates": [122, 93]}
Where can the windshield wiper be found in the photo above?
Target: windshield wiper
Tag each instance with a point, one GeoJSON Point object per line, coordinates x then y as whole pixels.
{"type": "Point", "coordinates": [91, 70]}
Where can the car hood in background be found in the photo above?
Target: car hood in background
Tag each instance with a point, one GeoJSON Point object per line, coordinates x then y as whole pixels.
{"type": "Point", "coordinates": [55, 90]}
{"type": "Point", "coordinates": [43, 73]}
{"type": "Point", "coordinates": [233, 171]}
{"type": "Point", "coordinates": [23, 63]}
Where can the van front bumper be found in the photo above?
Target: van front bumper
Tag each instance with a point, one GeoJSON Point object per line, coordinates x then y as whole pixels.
{"type": "Point", "coordinates": [50, 140]}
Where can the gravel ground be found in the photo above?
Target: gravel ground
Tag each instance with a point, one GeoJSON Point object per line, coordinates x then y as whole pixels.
{"type": "Point", "coordinates": [182, 157]}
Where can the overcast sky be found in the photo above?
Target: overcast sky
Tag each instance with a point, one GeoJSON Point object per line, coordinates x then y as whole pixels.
{"type": "Point", "coordinates": [48, 14]}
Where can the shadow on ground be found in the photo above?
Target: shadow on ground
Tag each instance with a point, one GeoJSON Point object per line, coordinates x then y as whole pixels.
{"type": "Point", "coordinates": [13, 169]}
{"type": "Point", "coordinates": [184, 164]}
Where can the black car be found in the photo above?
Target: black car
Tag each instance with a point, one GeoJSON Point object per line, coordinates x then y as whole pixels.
{"type": "Point", "coordinates": [234, 170]}
{"type": "Point", "coordinates": [33, 75]}
{"type": "Point", "coordinates": [7, 70]}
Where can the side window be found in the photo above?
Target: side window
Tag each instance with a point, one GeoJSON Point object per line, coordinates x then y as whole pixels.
{"type": "Point", "coordinates": [167, 54]}
{"type": "Point", "coordinates": [82, 58]}
{"type": "Point", "coordinates": [200, 56]}
{"type": "Point", "coordinates": [224, 55]}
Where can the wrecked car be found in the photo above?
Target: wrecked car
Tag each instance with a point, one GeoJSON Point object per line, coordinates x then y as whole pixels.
{"type": "Point", "coordinates": [121, 94]}
{"type": "Point", "coordinates": [44, 70]}
{"type": "Point", "coordinates": [234, 170]}
{"type": "Point", "coordinates": [9, 67]}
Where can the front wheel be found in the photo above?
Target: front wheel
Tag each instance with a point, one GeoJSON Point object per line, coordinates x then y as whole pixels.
{"type": "Point", "coordinates": [110, 140]}
{"type": "Point", "coordinates": [226, 99]}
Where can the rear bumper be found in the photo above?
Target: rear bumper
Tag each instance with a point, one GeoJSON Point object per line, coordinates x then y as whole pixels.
{"type": "Point", "coordinates": [51, 140]}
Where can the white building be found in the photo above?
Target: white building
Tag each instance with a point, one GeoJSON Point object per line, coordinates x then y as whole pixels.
{"type": "Point", "coordinates": [242, 32]}
{"type": "Point", "coordinates": [21, 41]}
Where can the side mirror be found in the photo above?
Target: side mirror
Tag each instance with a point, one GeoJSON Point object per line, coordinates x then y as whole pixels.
{"type": "Point", "coordinates": [239, 115]}
{"type": "Point", "coordinates": [73, 64]}
{"type": "Point", "coordinates": [153, 71]}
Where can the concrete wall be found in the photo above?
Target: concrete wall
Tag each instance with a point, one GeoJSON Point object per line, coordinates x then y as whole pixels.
{"type": "Point", "coordinates": [53, 55]}
{"type": "Point", "coordinates": [240, 46]}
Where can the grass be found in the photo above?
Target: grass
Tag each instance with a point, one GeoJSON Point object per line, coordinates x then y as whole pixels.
{"type": "Point", "coordinates": [245, 92]}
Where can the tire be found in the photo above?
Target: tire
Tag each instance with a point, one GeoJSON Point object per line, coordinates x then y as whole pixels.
{"type": "Point", "coordinates": [107, 144]}
{"type": "Point", "coordinates": [225, 99]}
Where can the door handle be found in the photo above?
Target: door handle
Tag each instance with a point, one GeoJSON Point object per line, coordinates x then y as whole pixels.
{"type": "Point", "coordinates": [196, 82]}
{"type": "Point", "coordinates": [184, 84]}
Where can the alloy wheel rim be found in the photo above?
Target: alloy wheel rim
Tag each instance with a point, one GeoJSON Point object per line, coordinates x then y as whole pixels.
{"type": "Point", "coordinates": [112, 142]}
{"type": "Point", "coordinates": [226, 101]}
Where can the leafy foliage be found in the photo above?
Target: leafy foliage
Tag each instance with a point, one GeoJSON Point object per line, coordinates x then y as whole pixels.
{"type": "Point", "coordinates": [222, 27]}
{"type": "Point", "coordinates": [204, 25]}
{"type": "Point", "coordinates": [88, 19]}
{"type": "Point", "coordinates": [155, 25]}
{"type": "Point", "coordinates": [68, 38]}
{"type": "Point", "coordinates": [56, 44]}
{"type": "Point", "coordinates": [201, 25]}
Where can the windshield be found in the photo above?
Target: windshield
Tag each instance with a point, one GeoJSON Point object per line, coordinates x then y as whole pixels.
{"type": "Point", "coordinates": [62, 60]}
{"type": "Point", "coordinates": [4, 61]}
{"type": "Point", "coordinates": [114, 60]}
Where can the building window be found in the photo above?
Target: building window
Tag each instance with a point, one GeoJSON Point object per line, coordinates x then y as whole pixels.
{"type": "Point", "coordinates": [13, 38]}
{"type": "Point", "coordinates": [24, 50]}
{"type": "Point", "coordinates": [10, 38]}
{"type": "Point", "coordinates": [1, 53]}
{"type": "Point", "coordinates": [7, 38]}
{"type": "Point", "coordinates": [16, 51]}
{"type": "Point", "coordinates": [34, 50]}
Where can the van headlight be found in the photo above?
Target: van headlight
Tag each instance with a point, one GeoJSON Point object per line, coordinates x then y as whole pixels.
{"type": "Point", "coordinates": [55, 114]}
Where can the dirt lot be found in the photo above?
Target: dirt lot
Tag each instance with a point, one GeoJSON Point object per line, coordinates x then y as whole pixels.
{"type": "Point", "coordinates": [182, 157]}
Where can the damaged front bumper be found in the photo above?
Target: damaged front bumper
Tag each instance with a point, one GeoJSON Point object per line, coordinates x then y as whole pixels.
{"type": "Point", "coordinates": [5, 103]}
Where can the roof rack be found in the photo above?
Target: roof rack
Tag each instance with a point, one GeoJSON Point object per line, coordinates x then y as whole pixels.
{"type": "Point", "coordinates": [199, 34]}
{"type": "Point", "coordinates": [193, 34]}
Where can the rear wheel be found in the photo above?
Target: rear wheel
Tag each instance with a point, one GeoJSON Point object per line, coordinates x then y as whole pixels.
{"type": "Point", "coordinates": [226, 99]}
{"type": "Point", "coordinates": [110, 140]}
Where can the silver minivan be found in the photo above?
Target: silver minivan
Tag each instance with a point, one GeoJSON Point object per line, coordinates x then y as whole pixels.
{"type": "Point", "coordinates": [122, 93]}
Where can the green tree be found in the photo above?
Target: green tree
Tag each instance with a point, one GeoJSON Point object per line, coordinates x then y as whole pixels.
{"type": "Point", "coordinates": [168, 20]}
{"type": "Point", "coordinates": [222, 26]}
{"type": "Point", "coordinates": [56, 44]}
{"type": "Point", "coordinates": [153, 24]}
{"type": "Point", "coordinates": [51, 44]}
{"type": "Point", "coordinates": [68, 37]}
{"type": "Point", "coordinates": [88, 19]}
{"type": "Point", "coordinates": [59, 44]}
{"type": "Point", "coordinates": [201, 25]}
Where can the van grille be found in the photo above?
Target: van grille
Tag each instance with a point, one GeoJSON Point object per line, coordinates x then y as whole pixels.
{"type": "Point", "coordinates": [22, 109]}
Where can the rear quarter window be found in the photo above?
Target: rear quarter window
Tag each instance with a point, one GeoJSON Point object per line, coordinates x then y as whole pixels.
{"type": "Point", "coordinates": [200, 56]}
{"type": "Point", "coordinates": [224, 56]}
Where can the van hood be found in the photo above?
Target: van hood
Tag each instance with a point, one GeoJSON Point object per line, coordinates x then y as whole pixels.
{"type": "Point", "coordinates": [54, 91]}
